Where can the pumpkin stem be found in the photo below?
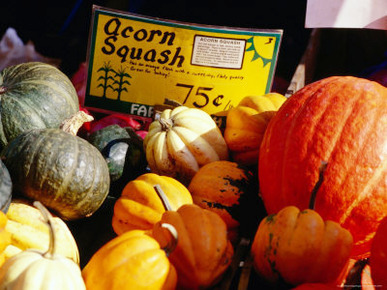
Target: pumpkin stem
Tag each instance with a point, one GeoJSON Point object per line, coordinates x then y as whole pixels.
{"type": "Point", "coordinates": [163, 197]}
{"type": "Point", "coordinates": [170, 247]}
{"type": "Point", "coordinates": [317, 186]}
{"type": "Point", "coordinates": [48, 218]}
{"type": "Point", "coordinates": [166, 124]}
{"type": "Point", "coordinates": [72, 124]}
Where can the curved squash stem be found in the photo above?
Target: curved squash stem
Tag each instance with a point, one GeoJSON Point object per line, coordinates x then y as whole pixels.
{"type": "Point", "coordinates": [72, 124]}
{"type": "Point", "coordinates": [166, 124]}
{"type": "Point", "coordinates": [163, 197]}
{"type": "Point", "coordinates": [317, 186]}
{"type": "Point", "coordinates": [50, 221]}
{"type": "Point", "coordinates": [170, 247]}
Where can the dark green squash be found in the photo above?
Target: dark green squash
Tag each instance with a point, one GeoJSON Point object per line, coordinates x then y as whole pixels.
{"type": "Point", "coordinates": [5, 188]}
{"type": "Point", "coordinates": [34, 95]}
{"type": "Point", "coordinates": [64, 172]}
{"type": "Point", "coordinates": [124, 153]}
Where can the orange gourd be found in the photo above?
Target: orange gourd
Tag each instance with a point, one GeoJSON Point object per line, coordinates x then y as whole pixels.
{"type": "Point", "coordinates": [140, 206]}
{"type": "Point", "coordinates": [203, 252]}
{"type": "Point", "coordinates": [231, 191]}
{"type": "Point", "coordinates": [246, 125]}
{"type": "Point", "coordinates": [297, 247]}
{"type": "Point", "coordinates": [341, 120]}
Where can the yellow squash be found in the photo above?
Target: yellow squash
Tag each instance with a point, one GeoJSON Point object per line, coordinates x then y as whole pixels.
{"type": "Point", "coordinates": [5, 237]}
{"type": "Point", "coordinates": [133, 260]}
{"type": "Point", "coordinates": [140, 207]}
{"type": "Point", "coordinates": [44, 270]}
{"type": "Point", "coordinates": [29, 231]}
{"type": "Point", "coordinates": [246, 124]}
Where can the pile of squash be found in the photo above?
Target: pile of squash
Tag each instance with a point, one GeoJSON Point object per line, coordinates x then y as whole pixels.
{"type": "Point", "coordinates": [290, 194]}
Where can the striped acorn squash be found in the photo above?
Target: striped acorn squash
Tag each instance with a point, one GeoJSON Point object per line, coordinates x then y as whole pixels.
{"type": "Point", "coordinates": [34, 95]}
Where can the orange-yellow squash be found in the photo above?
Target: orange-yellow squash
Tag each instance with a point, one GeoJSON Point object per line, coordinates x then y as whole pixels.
{"type": "Point", "coordinates": [246, 125]}
{"type": "Point", "coordinates": [230, 190]}
{"type": "Point", "coordinates": [133, 260]}
{"type": "Point", "coordinates": [140, 206]}
{"type": "Point", "coordinates": [298, 247]}
{"type": "Point", "coordinates": [203, 252]}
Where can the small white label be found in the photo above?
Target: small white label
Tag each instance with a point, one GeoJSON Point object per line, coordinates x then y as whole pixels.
{"type": "Point", "coordinates": [218, 52]}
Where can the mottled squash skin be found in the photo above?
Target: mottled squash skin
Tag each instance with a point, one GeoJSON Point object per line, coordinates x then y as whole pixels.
{"type": "Point", "coordinates": [5, 188]}
{"type": "Point", "coordinates": [342, 121]}
{"type": "Point", "coordinates": [230, 190]}
{"type": "Point", "coordinates": [64, 172]}
{"type": "Point", "coordinates": [34, 95]}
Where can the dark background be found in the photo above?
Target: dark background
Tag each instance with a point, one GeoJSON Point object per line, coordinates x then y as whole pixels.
{"type": "Point", "coordinates": [60, 29]}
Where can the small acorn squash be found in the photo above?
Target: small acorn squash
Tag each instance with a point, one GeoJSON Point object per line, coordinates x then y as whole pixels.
{"type": "Point", "coordinates": [45, 270]}
{"type": "Point", "coordinates": [140, 206]}
{"type": "Point", "coordinates": [133, 260]}
{"type": "Point", "coordinates": [182, 140]}
{"type": "Point", "coordinates": [29, 230]}
{"type": "Point", "coordinates": [203, 252]}
{"type": "Point", "coordinates": [246, 124]}
{"type": "Point", "coordinates": [231, 191]}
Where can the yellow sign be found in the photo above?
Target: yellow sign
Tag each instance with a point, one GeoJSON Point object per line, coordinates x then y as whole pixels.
{"type": "Point", "coordinates": [137, 62]}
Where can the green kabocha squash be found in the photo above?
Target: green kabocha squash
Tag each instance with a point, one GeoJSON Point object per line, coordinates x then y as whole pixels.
{"type": "Point", "coordinates": [5, 188]}
{"type": "Point", "coordinates": [123, 151]}
{"type": "Point", "coordinates": [34, 95]}
{"type": "Point", "coordinates": [63, 171]}
{"type": "Point", "coordinates": [115, 143]}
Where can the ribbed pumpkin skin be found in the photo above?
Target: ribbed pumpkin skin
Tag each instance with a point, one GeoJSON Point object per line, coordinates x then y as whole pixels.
{"type": "Point", "coordinates": [203, 252]}
{"type": "Point", "coordinates": [64, 172]}
{"type": "Point", "coordinates": [34, 95]}
{"type": "Point", "coordinates": [5, 188]}
{"type": "Point", "coordinates": [343, 121]}
{"type": "Point", "coordinates": [298, 247]}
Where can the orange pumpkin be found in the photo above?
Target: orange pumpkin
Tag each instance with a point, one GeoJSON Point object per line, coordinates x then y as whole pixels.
{"type": "Point", "coordinates": [378, 258]}
{"type": "Point", "coordinates": [140, 206]}
{"type": "Point", "coordinates": [246, 125]}
{"type": "Point", "coordinates": [341, 120]}
{"type": "Point", "coordinates": [203, 253]}
{"type": "Point", "coordinates": [133, 260]}
{"type": "Point", "coordinates": [298, 247]}
{"type": "Point", "coordinates": [231, 191]}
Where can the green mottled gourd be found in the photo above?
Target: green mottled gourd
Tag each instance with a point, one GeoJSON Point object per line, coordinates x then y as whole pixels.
{"type": "Point", "coordinates": [34, 95]}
